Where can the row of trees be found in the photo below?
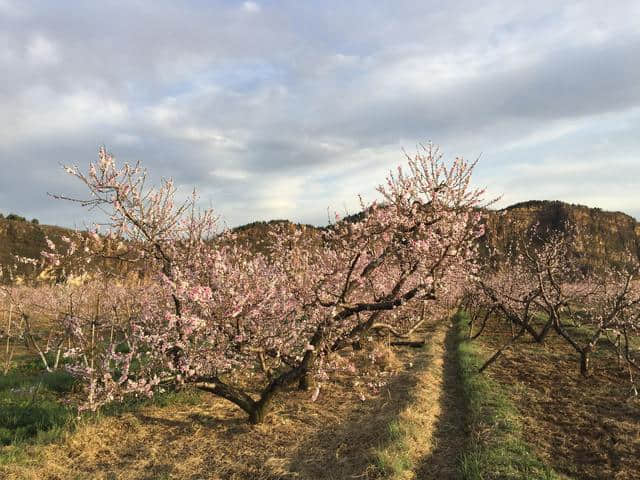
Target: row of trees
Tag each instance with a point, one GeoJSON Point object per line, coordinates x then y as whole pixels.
{"type": "Point", "coordinates": [207, 312]}
{"type": "Point", "coordinates": [197, 307]}
{"type": "Point", "coordinates": [541, 288]}
{"type": "Point", "coordinates": [18, 218]}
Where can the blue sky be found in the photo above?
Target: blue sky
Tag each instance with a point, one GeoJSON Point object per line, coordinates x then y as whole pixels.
{"type": "Point", "coordinates": [284, 109]}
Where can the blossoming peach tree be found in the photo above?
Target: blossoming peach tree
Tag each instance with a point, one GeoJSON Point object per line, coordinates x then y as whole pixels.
{"type": "Point", "coordinates": [246, 327]}
{"type": "Point", "coordinates": [543, 288]}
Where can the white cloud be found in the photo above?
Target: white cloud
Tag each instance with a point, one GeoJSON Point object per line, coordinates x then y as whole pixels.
{"type": "Point", "coordinates": [42, 51]}
{"type": "Point", "coordinates": [229, 174]}
{"type": "Point", "coordinates": [39, 114]}
{"type": "Point", "coordinates": [305, 105]}
{"type": "Point", "coordinates": [251, 7]}
{"type": "Point", "coordinates": [126, 139]}
{"type": "Point", "coordinates": [11, 8]}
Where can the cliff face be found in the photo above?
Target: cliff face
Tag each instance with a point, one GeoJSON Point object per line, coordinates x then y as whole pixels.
{"type": "Point", "coordinates": [600, 237]}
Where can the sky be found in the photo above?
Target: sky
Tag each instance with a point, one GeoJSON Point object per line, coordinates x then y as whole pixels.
{"type": "Point", "coordinates": [289, 109]}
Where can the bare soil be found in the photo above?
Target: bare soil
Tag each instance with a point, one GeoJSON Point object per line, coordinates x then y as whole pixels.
{"type": "Point", "coordinates": [586, 428]}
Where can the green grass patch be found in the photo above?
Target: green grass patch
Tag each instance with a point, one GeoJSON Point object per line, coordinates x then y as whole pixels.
{"type": "Point", "coordinates": [392, 458]}
{"type": "Point", "coordinates": [495, 448]}
{"type": "Point", "coordinates": [30, 406]}
{"type": "Point", "coordinates": [33, 409]}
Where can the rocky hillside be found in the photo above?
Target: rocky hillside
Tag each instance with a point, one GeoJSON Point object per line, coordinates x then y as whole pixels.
{"type": "Point", "coordinates": [602, 236]}
{"type": "Point", "coordinates": [25, 239]}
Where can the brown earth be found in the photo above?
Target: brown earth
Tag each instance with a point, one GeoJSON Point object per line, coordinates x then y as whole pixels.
{"type": "Point", "coordinates": [587, 428]}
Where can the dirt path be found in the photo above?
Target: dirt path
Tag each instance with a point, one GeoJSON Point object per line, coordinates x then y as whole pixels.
{"type": "Point", "coordinates": [434, 417]}
{"type": "Point", "coordinates": [447, 435]}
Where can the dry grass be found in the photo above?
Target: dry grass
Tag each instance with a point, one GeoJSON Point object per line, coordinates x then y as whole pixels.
{"type": "Point", "coordinates": [428, 431]}
{"type": "Point", "coordinates": [585, 428]}
{"type": "Point", "coordinates": [448, 431]}
{"type": "Point", "coordinates": [337, 437]}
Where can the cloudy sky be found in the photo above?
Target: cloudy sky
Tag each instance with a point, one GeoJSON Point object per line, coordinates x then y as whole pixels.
{"type": "Point", "coordinates": [283, 109]}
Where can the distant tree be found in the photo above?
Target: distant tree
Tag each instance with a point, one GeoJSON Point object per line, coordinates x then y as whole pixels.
{"type": "Point", "coordinates": [17, 218]}
{"type": "Point", "coordinates": [35, 221]}
{"type": "Point", "coordinates": [544, 290]}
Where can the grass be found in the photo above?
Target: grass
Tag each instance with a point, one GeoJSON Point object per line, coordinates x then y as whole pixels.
{"type": "Point", "coordinates": [495, 448]}
{"type": "Point", "coordinates": [584, 428]}
{"type": "Point", "coordinates": [33, 410]}
{"type": "Point", "coordinates": [406, 432]}
{"type": "Point", "coordinates": [422, 441]}
{"type": "Point", "coordinates": [333, 438]}
{"type": "Point", "coordinates": [394, 459]}
{"type": "Point", "coordinates": [30, 406]}
{"type": "Point", "coordinates": [397, 454]}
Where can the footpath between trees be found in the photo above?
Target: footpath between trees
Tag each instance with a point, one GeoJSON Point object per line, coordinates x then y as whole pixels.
{"type": "Point", "coordinates": [429, 430]}
{"type": "Point", "coordinates": [461, 424]}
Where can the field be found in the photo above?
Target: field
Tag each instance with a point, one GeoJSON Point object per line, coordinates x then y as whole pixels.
{"type": "Point", "coordinates": [436, 418]}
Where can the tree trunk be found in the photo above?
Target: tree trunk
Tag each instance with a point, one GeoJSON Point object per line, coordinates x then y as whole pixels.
{"type": "Point", "coordinates": [306, 383]}
{"type": "Point", "coordinates": [495, 356]}
{"type": "Point", "coordinates": [259, 412]}
{"type": "Point", "coordinates": [408, 343]}
{"type": "Point", "coordinates": [255, 410]}
{"type": "Point", "coordinates": [544, 332]}
{"type": "Point", "coordinates": [584, 364]}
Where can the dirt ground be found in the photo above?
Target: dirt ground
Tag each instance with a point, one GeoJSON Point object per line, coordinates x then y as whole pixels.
{"type": "Point", "coordinates": [586, 428]}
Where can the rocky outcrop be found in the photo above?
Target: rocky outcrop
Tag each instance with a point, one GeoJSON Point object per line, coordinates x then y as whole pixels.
{"type": "Point", "coordinates": [600, 237]}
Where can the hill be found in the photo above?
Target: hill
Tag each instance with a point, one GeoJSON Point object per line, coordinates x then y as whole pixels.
{"type": "Point", "coordinates": [601, 236]}
{"type": "Point", "coordinates": [19, 237]}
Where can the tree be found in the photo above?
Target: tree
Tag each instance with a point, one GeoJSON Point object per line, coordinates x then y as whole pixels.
{"type": "Point", "coordinates": [245, 326]}
{"type": "Point", "coordinates": [542, 289]}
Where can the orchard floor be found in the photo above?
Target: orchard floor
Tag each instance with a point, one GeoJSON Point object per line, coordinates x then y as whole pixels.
{"type": "Point", "coordinates": [414, 429]}
{"type": "Point", "coordinates": [336, 437]}
{"type": "Point", "coordinates": [585, 428]}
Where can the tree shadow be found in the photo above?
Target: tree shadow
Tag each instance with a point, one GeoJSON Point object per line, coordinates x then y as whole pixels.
{"type": "Point", "coordinates": [233, 425]}
{"type": "Point", "coordinates": [449, 432]}
{"type": "Point", "coordinates": [345, 446]}
{"type": "Point", "coordinates": [165, 422]}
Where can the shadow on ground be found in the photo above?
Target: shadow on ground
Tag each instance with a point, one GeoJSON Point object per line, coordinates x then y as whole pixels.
{"type": "Point", "coordinates": [346, 447]}
{"type": "Point", "coordinates": [449, 435]}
